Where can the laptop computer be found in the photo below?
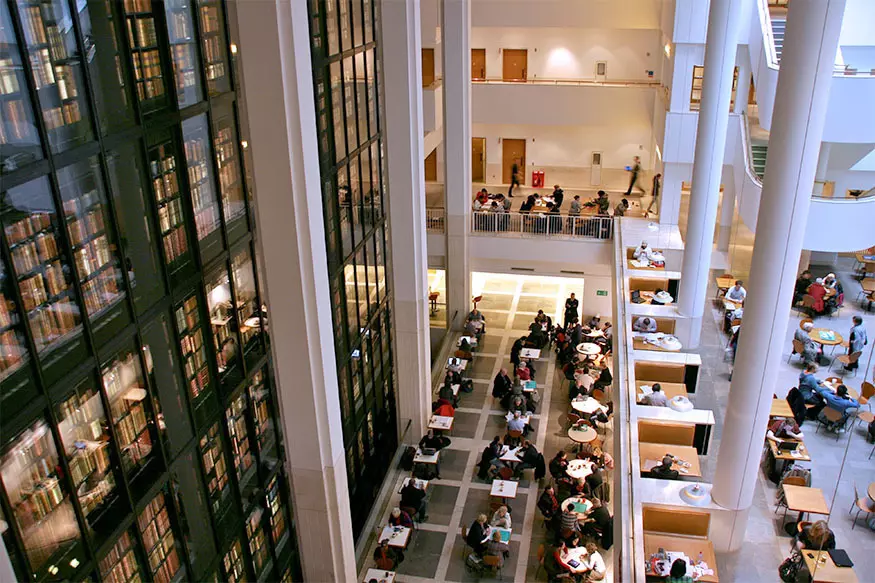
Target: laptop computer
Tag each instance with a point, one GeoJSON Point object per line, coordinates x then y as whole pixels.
{"type": "Point", "coordinates": [788, 445]}
{"type": "Point", "coordinates": [426, 451]}
{"type": "Point", "coordinates": [636, 297]}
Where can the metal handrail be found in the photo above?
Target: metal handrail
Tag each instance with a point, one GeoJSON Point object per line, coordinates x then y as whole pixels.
{"type": "Point", "coordinates": [542, 225]}
{"type": "Point", "coordinates": [569, 82]}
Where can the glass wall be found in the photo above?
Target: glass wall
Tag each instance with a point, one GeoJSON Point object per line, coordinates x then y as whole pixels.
{"type": "Point", "coordinates": [345, 75]}
{"type": "Point", "coordinates": [138, 439]}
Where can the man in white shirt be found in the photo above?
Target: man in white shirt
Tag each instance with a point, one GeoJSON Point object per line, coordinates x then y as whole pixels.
{"type": "Point", "coordinates": [643, 252]}
{"type": "Point", "coordinates": [644, 325]}
{"type": "Point", "coordinates": [516, 423]}
{"type": "Point", "coordinates": [657, 398]}
{"type": "Point", "coordinates": [595, 563]}
{"type": "Point", "coordinates": [737, 293]}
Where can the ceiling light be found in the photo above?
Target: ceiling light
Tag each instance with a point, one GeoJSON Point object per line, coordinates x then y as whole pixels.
{"type": "Point", "coordinates": [666, 48]}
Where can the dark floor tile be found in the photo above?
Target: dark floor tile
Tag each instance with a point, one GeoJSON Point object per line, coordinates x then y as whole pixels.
{"type": "Point", "coordinates": [490, 342]}
{"type": "Point", "coordinates": [423, 554]}
{"type": "Point", "coordinates": [453, 464]}
{"type": "Point", "coordinates": [480, 368]}
{"type": "Point", "coordinates": [494, 320]}
{"type": "Point", "coordinates": [522, 321]}
{"type": "Point", "coordinates": [441, 502]}
{"type": "Point", "coordinates": [465, 424]}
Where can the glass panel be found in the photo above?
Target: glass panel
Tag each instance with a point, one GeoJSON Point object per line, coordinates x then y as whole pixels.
{"type": "Point", "coordinates": [120, 564]}
{"type": "Point", "coordinates": [364, 295]}
{"type": "Point", "coordinates": [40, 506]}
{"type": "Point", "coordinates": [259, 395]}
{"type": "Point", "coordinates": [19, 142]}
{"type": "Point", "coordinates": [371, 83]}
{"type": "Point", "coordinates": [104, 58]}
{"type": "Point", "coordinates": [191, 340]}
{"type": "Point", "coordinates": [213, 458]}
{"type": "Point", "coordinates": [277, 512]}
{"type": "Point", "coordinates": [369, 21]}
{"type": "Point", "coordinates": [343, 17]}
{"type": "Point", "coordinates": [131, 417]}
{"type": "Point", "coordinates": [357, 25]}
{"type": "Point", "coordinates": [56, 65]}
{"type": "Point", "coordinates": [228, 162]}
{"type": "Point", "coordinates": [240, 449]}
{"type": "Point", "coordinates": [171, 216]}
{"type": "Point", "coordinates": [248, 308]}
{"type": "Point", "coordinates": [346, 203]}
{"type": "Point", "coordinates": [224, 326]}
{"type": "Point", "coordinates": [94, 249]}
{"type": "Point", "coordinates": [351, 305]}
{"type": "Point", "coordinates": [32, 231]}
{"type": "Point", "coordinates": [183, 51]}
{"type": "Point", "coordinates": [200, 175]}
{"type": "Point", "coordinates": [349, 112]}
{"type": "Point", "coordinates": [13, 351]}
{"type": "Point", "coordinates": [148, 73]}
{"type": "Point", "coordinates": [233, 563]}
{"type": "Point", "coordinates": [331, 28]}
{"type": "Point", "coordinates": [337, 112]}
{"type": "Point", "coordinates": [87, 445]}
{"type": "Point", "coordinates": [215, 50]}
{"type": "Point", "coordinates": [160, 542]}
{"type": "Point", "coordinates": [255, 535]}
{"type": "Point", "coordinates": [362, 98]}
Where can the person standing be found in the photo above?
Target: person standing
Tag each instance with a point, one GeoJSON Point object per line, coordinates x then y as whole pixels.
{"type": "Point", "coordinates": [857, 339]}
{"type": "Point", "coordinates": [514, 177]}
{"type": "Point", "coordinates": [558, 196]}
{"type": "Point", "coordinates": [635, 169]}
{"type": "Point", "coordinates": [657, 185]}
{"type": "Point", "coordinates": [571, 305]}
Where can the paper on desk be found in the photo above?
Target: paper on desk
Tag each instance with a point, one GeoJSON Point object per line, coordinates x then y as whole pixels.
{"type": "Point", "coordinates": [650, 464]}
{"type": "Point", "coordinates": [637, 263]}
{"type": "Point", "coordinates": [646, 389]}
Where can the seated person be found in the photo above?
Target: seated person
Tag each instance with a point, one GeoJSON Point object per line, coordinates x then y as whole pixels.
{"type": "Point", "coordinates": [730, 316]}
{"type": "Point", "coordinates": [515, 403]}
{"type": "Point", "coordinates": [445, 393]}
{"type": "Point", "coordinates": [810, 351]}
{"type": "Point", "coordinates": [502, 384]}
{"type": "Point", "coordinates": [663, 470]}
{"type": "Point", "coordinates": [412, 496]}
{"type": "Point", "coordinates": [608, 331]}
{"type": "Point", "coordinates": [816, 535]}
{"type": "Point", "coordinates": [584, 380]}
{"type": "Point", "coordinates": [430, 440]}
{"type": "Point", "coordinates": [501, 518]}
{"type": "Point", "coordinates": [516, 423]}
{"type": "Point", "coordinates": [643, 252]}
{"type": "Point", "coordinates": [840, 401]}
{"type": "Point", "coordinates": [444, 408]}
{"type": "Point", "coordinates": [561, 558]}
{"type": "Point", "coordinates": [523, 372]}
{"type": "Point", "coordinates": [400, 518]}
{"type": "Point", "coordinates": [495, 547]}
{"type": "Point", "coordinates": [594, 322]}
{"type": "Point", "coordinates": [818, 292]}
{"type": "Point", "coordinates": [559, 465]}
{"type": "Point", "coordinates": [657, 398]}
{"type": "Point", "coordinates": [530, 458]}
{"type": "Point", "coordinates": [599, 520]}
{"type": "Point", "coordinates": [595, 563]}
{"type": "Point", "coordinates": [801, 287]}
{"type": "Point", "coordinates": [464, 350]}
{"type": "Point", "coordinates": [602, 203]}
{"type": "Point", "coordinates": [782, 428]}
{"type": "Point", "coordinates": [644, 324]}
{"type": "Point", "coordinates": [678, 572]}
{"type": "Point", "coordinates": [737, 293]}
{"type": "Point", "coordinates": [808, 385]}
{"type": "Point", "coordinates": [454, 365]}
{"type": "Point", "coordinates": [548, 504]}
{"type": "Point", "coordinates": [386, 557]}
{"type": "Point", "coordinates": [477, 534]}
{"type": "Point", "coordinates": [568, 521]}
{"type": "Point", "coordinates": [490, 460]}
{"type": "Point", "coordinates": [605, 379]}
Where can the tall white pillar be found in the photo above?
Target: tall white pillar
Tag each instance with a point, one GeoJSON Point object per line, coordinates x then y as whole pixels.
{"type": "Point", "coordinates": [456, 53]}
{"type": "Point", "coordinates": [673, 176]}
{"type": "Point", "coordinates": [797, 127]}
{"type": "Point", "coordinates": [724, 29]}
{"type": "Point", "coordinates": [742, 88]}
{"type": "Point", "coordinates": [275, 43]}
{"type": "Point", "coordinates": [822, 167]}
{"type": "Point", "coordinates": [727, 214]}
{"type": "Point", "coordinates": [403, 136]}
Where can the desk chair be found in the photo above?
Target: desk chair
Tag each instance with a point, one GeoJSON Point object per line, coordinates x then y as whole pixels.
{"type": "Point", "coordinates": [847, 360]}
{"type": "Point", "coordinates": [862, 504]}
{"type": "Point", "coordinates": [515, 437]}
{"type": "Point", "coordinates": [832, 416]}
{"type": "Point", "coordinates": [807, 305]}
{"type": "Point", "coordinates": [724, 289]}
{"type": "Point", "coordinates": [804, 321]}
{"type": "Point", "coordinates": [798, 348]}
{"type": "Point", "coordinates": [465, 546]}
{"type": "Point", "coordinates": [572, 418]}
{"type": "Point", "coordinates": [867, 391]}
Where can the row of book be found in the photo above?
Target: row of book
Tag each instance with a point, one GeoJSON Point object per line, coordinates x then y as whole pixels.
{"type": "Point", "coordinates": [175, 244]}
{"type": "Point", "coordinates": [39, 287]}
{"type": "Point", "coordinates": [32, 252]}
{"type": "Point", "coordinates": [9, 84]}
{"type": "Point", "coordinates": [15, 126]}
{"type": "Point", "coordinates": [120, 564]}
{"type": "Point", "coordinates": [206, 219]}
{"type": "Point", "coordinates": [141, 32]}
{"type": "Point", "coordinates": [170, 214]}
{"type": "Point", "coordinates": [67, 114]}
{"type": "Point", "coordinates": [101, 291]}
{"type": "Point", "coordinates": [52, 322]}
{"type": "Point", "coordinates": [136, 6]}
{"type": "Point", "coordinates": [166, 186]}
{"type": "Point", "coordinates": [12, 351]}
{"type": "Point", "coordinates": [82, 229]}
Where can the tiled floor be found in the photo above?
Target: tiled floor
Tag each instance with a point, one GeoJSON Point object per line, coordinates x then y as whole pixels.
{"type": "Point", "coordinates": [437, 552]}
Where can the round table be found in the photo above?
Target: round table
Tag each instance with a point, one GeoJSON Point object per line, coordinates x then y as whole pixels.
{"type": "Point", "coordinates": [582, 469]}
{"type": "Point", "coordinates": [871, 490]}
{"type": "Point", "coordinates": [578, 500]}
{"type": "Point", "coordinates": [589, 348]}
{"type": "Point", "coordinates": [587, 406]}
{"type": "Point", "coordinates": [814, 334]}
{"type": "Point", "coordinates": [582, 434]}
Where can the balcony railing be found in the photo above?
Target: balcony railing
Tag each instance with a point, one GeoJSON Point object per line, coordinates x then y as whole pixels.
{"type": "Point", "coordinates": [541, 225]}
{"type": "Point", "coordinates": [570, 82]}
{"type": "Point", "coordinates": [435, 220]}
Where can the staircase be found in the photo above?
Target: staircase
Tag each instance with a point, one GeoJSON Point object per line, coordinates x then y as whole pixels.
{"type": "Point", "coordinates": [758, 153]}
{"type": "Point", "coordinates": [778, 27]}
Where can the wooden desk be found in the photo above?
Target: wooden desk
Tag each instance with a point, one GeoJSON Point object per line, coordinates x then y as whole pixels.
{"type": "Point", "coordinates": [783, 455]}
{"type": "Point", "coordinates": [440, 423]}
{"type": "Point", "coordinates": [670, 390]}
{"type": "Point", "coordinates": [380, 575]}
{"type": "Point", "coordinates": [805, 500]}
{"type": "Point", "coordinates": [503, 489]}
{"type": "Point", "coordinates": [398, 536]}
{"type": "Point", "coordinates": [651, 266]}
{"type": "Point", "coordinates": [868, 284]}
{"type": "Point", "coordinates": [827, 571]}
{"type": "Point", "coordinates": [690, 546]}
{"type": "Point", "coordinates": [781, 408]}
{"type": "Point", "coordinates": [656, 451]}
{"type": "Point", "coordinates": [640, 344]}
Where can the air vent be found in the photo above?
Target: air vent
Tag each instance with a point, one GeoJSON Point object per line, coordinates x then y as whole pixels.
{"type": "Point", "coordinates": [571, 272]}
{"type": "Point", "coordinates": [532, 269]}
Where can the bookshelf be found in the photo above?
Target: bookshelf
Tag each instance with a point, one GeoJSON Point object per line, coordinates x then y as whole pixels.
{"type": "Point", "coordinates": [123, 384]}
{"type": "Point", "coordinates": [145, 57]}
{"type": "Point", "coordinates": [233, 563]}
{"type": "Point", "coordinates": [39, 503]}
{"type": "Point", "coordinates": [13, 352]}
{"type": "Point", "coordinates": [235, 415]}
{"type": "Point", "coordinates": [277, 513]}
{"type": "Point", "coordinates": [228, 163]}
{"type": "Point", "coordinates": [16, 113]}
{"type": "Point", "coordinates": [159, 540]}
{"type": "Point", "coordinates": [255, 536]}
{"type": "Point", "coordinates": [200, 175]}
{"type": "Point", "coordinates": [171, 217]}
{"type": "Point", "coordinates": [259, 396]}
{"type": "Point", "coordinates": [222, 321]}
{"type": "Point", "coordinates": [85, 215]}
{"type": "Point", "coordinates": [183, 51]}
{"type": "Point", "coordinates": [213, 458]}
{"type": "Point", "coordinates": [191, 341]}
{"type": "Point", "coordinates": [248, 311]}
{"type": "Point", "coordinates": [56, 65]}
{"type": "Point", "coordinates": [120, 564]}
{"type": "Point", "coordinates": [214, 48]}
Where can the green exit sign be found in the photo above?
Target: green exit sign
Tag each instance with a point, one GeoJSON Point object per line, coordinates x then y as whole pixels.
{"type": "Point", "coordinates": [601, 292]}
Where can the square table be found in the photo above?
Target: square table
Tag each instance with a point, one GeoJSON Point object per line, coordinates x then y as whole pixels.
{"type": "Point", "coordinates": [380, 575]}
{"type": "Point", "coordinates": [530, 353]}
{"type": "Point", "coordinates": [650, 452]}
{"type": "Point", "coordinates": [824, 570]}
{"type": "Point", "coordinates": [463, 363]}
{"type": "Point", "coordinates": [510, 454]}
{"type": "Point", "coordinates": [529, 386]}
{"type": "Point", "coordinates": [781, 408]}
{"type": "Point", "coordinates": [423, 484]}
{"type": "Point", "coordinates": [398, 536]}
{"type": "Point", "coordinates": [505, 533]}
{"type": "Point", "coordinates": [472, 340]}
{"type": "Point", "coordinates": [803, 499]}
{"type": "Point", "coordinates": [440, 422]}
{"type": "Point", "coordinates": [504, 489]}
{"type": "Point", "coordinates": [432, 459]}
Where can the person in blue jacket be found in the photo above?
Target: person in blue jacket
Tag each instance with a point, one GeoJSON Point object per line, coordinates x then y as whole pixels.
{"type": "Point", "coordinates": [840, 401]}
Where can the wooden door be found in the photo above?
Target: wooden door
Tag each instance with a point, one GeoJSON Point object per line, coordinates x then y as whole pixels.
{"type": "Point", "coordinates": [513, 151]}
{"type": "Point", "coordinates": [478, 64]}
{"type": "Point", "coordinates": [431, 166]}
{"type": "Point", "coordinates": [478, 159]}
{"type": "Point", "coordinates": [515, 64]}
{"type": "Point", "coordinates": [427, 67]}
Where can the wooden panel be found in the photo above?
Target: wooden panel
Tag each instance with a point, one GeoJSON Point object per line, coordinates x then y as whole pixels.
{"type": "Point", "coordinates": [666, 432]}
{"type": "Point", "coordinates": [478, 64]}
{"type": "Point", "coordinates": [427, 67]}
{"type": "Point", "coordinates": [644, 284]}
{"type": "Point", "coordinates": [690, 546]}
{"type": "Point", "coordinates": [675, 520]}
{"type": "Point", "coordinates": [431, 166]}
{"type": "Point", "coordinates": [659, 372]}
{"type": "Point", "coordinates": [514, 64]}
{"type": "Point", "coordinates": [478, 159]}
{"type": "Point", "coordinates": [513, 150]}
{"type": "Point", "coordinates": [665, 325]}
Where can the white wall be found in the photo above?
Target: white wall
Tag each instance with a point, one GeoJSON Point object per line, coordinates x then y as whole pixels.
{"type": "Point", "coordinates": [626, 14]}
{"type": "Point", "coordinates": [690, 21]}
{"type": "Point", "coordinates": [850, 179]}
{"type": "Point", "coordinates": [571, 53]}
{"type": "Point", "coordinates": [857, 24]}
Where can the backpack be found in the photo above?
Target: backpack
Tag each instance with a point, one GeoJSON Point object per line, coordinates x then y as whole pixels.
{"type": "Point", "coordinates": [474, 563]}
{"type": "Point", "coordinates": [407, 458]}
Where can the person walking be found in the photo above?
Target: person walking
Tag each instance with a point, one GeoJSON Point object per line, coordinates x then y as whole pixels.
{"type": "Point", "coordinates": [857, 339]}
{"type": "Point", "coordinates": [514, 178]}
{"type": "Point", "coordinates": [571, 313]}
{"type": "Point", "coordinates": [635, 169]}
{"type": "Point", "coordinates": [657, 186]}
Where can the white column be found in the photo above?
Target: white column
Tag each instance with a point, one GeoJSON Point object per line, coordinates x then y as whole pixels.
{"type": "Point", "coordinates": [403, 136]}
{"type": "Point", "coordinates": [724, 29]}
{"type": "Point", "coordinates": [727, 214]}
{"type": "Point", "coordinates": [822, 166]}
{"type": "Point", "coordinates": [673, 176]}
{"type": "Point", "coordinates": [797, 127]}
{"type": "Point", "coordinates": [742, 61]}
{"type": "Point", "coordinates": [275, 49]}
{"type": "Point", "coordinates": [456, 53]}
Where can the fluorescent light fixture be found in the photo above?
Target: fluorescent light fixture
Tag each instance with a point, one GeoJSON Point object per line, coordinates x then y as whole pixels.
{"type": "Point", "coordinates": [658, 153]}
{"type": "Point", "coordinates": [666, 48]}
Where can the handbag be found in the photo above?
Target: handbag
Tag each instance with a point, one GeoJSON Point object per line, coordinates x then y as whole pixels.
{"type": "Point", "coordinates": [789, 569]}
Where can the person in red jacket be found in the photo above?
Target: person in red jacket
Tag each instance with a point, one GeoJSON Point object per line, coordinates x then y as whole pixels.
{"type": "Point", "coordinates": [818, 292]}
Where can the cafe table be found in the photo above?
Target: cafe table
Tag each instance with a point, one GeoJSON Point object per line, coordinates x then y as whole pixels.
{"type": "Point", "coordinates": [834, 340]}
{"type": "Point", "coordinates": [582, 434]}
{"type": "Point", "coordinates": [504, 489]}
{"type": "Point", "coordinates": [579, 505]}
{"type": "Point", "coordinates": [648, 453]}
{"type": "Point", "coordinates": [577, 554]}
{"type": "Point", "coordinates": [398, 536]}
{"type": "Point", "coordinates": [530, 353]}
{"type": "Point", "coordinates": [589, 348]}
{"type": "Point", "coordinates": [824, 570]}
{"type": "Point", "coordinates": [380, 576]}
{"type": "Point", "coordinates": [505, 534]}
{"type": "Point", "coordinates": [780, 408]}
{"type": "Point", "coordinates": [579, 468]}
{"type": "Point", "coordinates": [440, 422]}
{"type": "Point", "coordinates": [422, 484]}
{"type": "Point", "coordinates": [587, 406]}
{"type": "Point", "coordinates": [871, 491]}
{"type": "Point", "coordinates": [688, 545]}
{"type": "Point", "coordinates": [805, 500]}
{"type": "Point", "coordinates": [529, 386]}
